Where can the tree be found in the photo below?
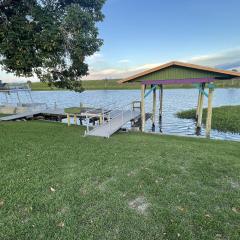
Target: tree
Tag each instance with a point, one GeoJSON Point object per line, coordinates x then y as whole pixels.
{"type": "Point", "coordinates": [49, 38]}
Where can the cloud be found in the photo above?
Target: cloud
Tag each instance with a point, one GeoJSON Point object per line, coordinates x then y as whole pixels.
{"type": "Point", "coordinates": [227, 59]}
{"type": "Point", "coordinates": [124, 61]}
{"type": "Point", "coordinates": [95, 58]}
{"type": "Point", "coordinates": [118, 73]}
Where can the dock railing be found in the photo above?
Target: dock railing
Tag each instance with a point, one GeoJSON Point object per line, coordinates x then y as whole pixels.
{"type": "Point", "coordinates": [123, 109]}
{"type": "Point", "coordinates": [104, 111]}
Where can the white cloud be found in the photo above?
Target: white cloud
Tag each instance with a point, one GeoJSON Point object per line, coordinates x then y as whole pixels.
{"type": "Point", "coordinates": [117, 73]}
{"type": "Point", "coordinates": [124, 61]}
{"type": "Point", "coordinates": [147, 66]}
{"type": "Point", "coordinates": [95, 58]}
{"type": "Point", "coordinates": [227, 59]}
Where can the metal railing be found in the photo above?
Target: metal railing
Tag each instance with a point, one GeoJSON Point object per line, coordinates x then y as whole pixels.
{"type": "Point", "coordinates": [116, 112]}
{"type": "Point", "coordinates": [104, 110]}
{"type": "Point", "coordinates": [123, 109]}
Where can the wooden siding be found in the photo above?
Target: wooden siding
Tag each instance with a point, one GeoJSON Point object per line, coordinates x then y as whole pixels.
{"type": "Point", "coordinates": [178, 72]}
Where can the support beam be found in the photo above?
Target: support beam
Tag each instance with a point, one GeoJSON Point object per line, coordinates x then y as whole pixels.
{"type": "Point", "coordinates": [101, 119]}
{"type": "Point", "coordinates": [143, 88]}
{"type": "Point", "coordinates": [198, 104]}
{"type": "Point", "coordinates": [209, 113]}
{"type": "Point", "coordinates": [154, 106]}
{"type": "Point", "coordinates": [75, 119]}
{"type": "Point", "coordinates": [161, 101]}
{"type": "Point", "coordinates": [68, 119]}
{"type": "Point", "coordinates": [200, 112]}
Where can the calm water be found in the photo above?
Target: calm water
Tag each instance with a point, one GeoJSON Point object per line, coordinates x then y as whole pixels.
{"type": "Point", "coordinates": [174, 100]}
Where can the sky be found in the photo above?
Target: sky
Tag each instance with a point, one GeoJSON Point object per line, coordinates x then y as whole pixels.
{"type": "Point", "coordinates": [141, 34]}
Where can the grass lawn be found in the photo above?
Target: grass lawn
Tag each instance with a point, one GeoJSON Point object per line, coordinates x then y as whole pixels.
{"type": "Point", "coordinates": [113, 85]}
{"type": "Point", "coordinates": [225, 119]}
{"type": "Point", "coordinates": [56, 184]}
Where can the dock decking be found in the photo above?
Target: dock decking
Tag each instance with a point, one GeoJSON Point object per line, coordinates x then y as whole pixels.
{"type": "Point", "coordinates": [31, 114]}
{"type": "Point", "coordinates": [17, 116]}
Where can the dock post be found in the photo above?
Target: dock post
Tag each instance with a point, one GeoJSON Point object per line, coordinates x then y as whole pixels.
{"type": "Point", "coordinates": [161, 101]}
{"type": "Point", "coordinates": [198, 103]}
{"type": "Point", "coordinates": [68, 119]}
{"type": "Point", "coordinates": [75, 119]}
{"type": "Point", "coordinates": [143, 87]}
{"type": "Point", "coordinates": [200, 111]}
{"type": "Point", "coordinates": [209, 111]}
{"type": "Point", "coordinates": [154, 107]}
{"type": "Point", "coordinates": [100, 119]}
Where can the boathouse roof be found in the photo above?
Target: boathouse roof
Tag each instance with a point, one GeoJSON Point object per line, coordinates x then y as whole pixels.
{"type": "Point", "coordinates": [178, 72]}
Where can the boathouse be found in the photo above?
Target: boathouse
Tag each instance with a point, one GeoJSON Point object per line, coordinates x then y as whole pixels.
{"type": "Point", "coordinates": [173, 73]}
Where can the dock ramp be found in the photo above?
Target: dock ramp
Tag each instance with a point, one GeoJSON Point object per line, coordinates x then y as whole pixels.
{"type": "Point", "coordinates": [116, 119]}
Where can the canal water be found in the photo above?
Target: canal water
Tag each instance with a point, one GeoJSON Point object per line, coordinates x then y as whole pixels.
{"type": "Point", "coordinates": [174, 100]}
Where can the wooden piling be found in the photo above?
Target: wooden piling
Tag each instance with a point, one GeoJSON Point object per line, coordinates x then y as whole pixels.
{"type": "Point", "coordinates": [209, 112]}
{"type": "Point", "coordinates": [75, 119]}
{"type": "Point", "coordinates": [198, 103]}
{"type": "Point", "coordinates": [68, 119]}
{"type": "Point", "coordinates": [200, 110]}
{"type": "Point", "coordinates": [101, 119]}
{"type": "Point", "coordinates": [143, 87]}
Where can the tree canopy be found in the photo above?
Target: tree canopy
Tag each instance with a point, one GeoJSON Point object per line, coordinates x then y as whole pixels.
{"type": "Point", "coordinates": [49, 38]}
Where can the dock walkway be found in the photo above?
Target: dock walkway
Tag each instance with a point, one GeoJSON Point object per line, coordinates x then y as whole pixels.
{"type": "Point", "coordinates": [31, 114]}
{"type": "Point", "coordinates": [116, 122]}
{"type": "Point", "coordinates": [17, 116]}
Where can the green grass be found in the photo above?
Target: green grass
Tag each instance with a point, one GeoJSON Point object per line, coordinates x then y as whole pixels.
{"type": "Point", "coordinates": [191, 186]}
{"type": "Point", "coordinates": [113, 85]}
{"type": "Point", "coordinates": [225, 119]}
